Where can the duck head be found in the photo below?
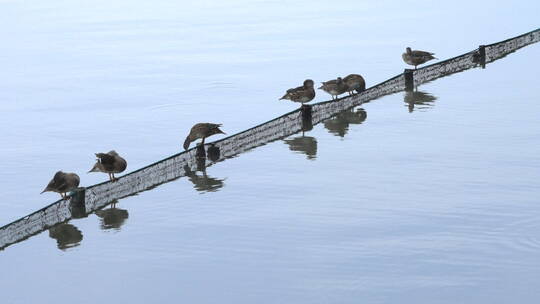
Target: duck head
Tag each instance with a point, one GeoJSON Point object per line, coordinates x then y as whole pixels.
{"type": "Point", "coordinates": [409, 51]}
{"type": "Point", "coordinates": [47, 189]}
{"type": "Point", "coordinates": [308, 83]}
{"type": "Point", "coordinates": [54, 183]}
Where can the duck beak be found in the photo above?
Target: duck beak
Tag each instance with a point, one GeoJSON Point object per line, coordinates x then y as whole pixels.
{"type": "Point", "coordinates": [95, 168]}
{"type": "Point", "coordinates": [44, 190]}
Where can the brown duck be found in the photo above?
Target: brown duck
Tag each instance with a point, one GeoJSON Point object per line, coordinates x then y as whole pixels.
{"type": "Point", "coordinates": [109, 163]}
{"type": "Point", "coordinates": [416, 57]}
{"type": "Point", "coordinates": [334, 87]}
{"type": "Point", "coordinates": [202, 130]}
{"type": "Point", "coordinates": [63, 183]}
{"type": "Point", "coordinates": [355, 82]}
{"type": "Point", "coordinates": [302, 94]}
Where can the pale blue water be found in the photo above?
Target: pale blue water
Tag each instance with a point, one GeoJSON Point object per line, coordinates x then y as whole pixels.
{"type": "Point", "coordinates": [437, 205]}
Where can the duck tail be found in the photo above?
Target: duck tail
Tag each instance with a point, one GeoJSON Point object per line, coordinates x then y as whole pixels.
{"type": "Point", "coordinates": [362, 87]}
{"type": "Point", "coordinates": [187, 142]}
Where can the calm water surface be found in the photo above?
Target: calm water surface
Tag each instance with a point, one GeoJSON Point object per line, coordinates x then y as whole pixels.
{"type": "Point", "coordinates": [422, 197]}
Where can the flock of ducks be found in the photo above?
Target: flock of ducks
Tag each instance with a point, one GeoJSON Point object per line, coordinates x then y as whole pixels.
{"type": "Point", "coordinates": [112, 163]}
{"type": "Point", "coordinates": [109, 163]}
{"type": "Point", "coordinates": [334, 87]}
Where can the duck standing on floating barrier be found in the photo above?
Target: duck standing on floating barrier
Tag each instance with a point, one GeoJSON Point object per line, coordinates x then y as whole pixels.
{"type": "Point", "coordinates": [334, 87]}
{"type": "Point", "coordinates": [62, 183]}
{"type": "Point", "coordinates": [355, 82]}
{"type": "Point", "coordinates": [416, 57]}
{"type": "Point", "coordinates": [302, 94]}
{"type": "Point", "coordinates": [109, 163]}
{"type": "Point", "coordinates": [202, 130]}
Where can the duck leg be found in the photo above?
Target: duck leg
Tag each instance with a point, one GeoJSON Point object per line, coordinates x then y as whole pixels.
{"type": "Point", "coordinates": [114, 177]}
{"type": "Point", "coordinates": [200, 151]}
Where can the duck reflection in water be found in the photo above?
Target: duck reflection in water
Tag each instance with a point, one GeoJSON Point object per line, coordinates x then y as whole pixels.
{"type": "Point", "coordinates": [419, 100]}
{"type": "Point", "coordinates": [113, 217]}
{"type": "Point", "coordinates": [203, 183]}
{"type": "Point", "coordinates": [66, 236]}
{"type": "Point", "coordinates": [303, 144]}
{"type": "Point", "coordinates": [339, 124]}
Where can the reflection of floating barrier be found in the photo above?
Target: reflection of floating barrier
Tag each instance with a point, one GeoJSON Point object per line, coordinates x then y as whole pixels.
{"type": "Point", "coordinates": [87, 200]}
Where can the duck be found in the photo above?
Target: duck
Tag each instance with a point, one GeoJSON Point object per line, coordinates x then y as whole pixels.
{"type": "Point", "coordinates": [355, 82]}
{"type": "Point", "coordinates": [62, 183]}
{"type": "Point", "coordinates": [202, 130]}
{"type": "Point", "coordinates": [416, 57]}
{"type": "Point", "coordinates": [109, 163]}
{"type": "Point", "coordinates": [334, 87]}
{"type": "Point", "coordinates": [304, 93]}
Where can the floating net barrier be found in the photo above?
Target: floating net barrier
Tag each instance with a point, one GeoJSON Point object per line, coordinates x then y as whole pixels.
{"type": "Point", "coordinates": [87, 200]}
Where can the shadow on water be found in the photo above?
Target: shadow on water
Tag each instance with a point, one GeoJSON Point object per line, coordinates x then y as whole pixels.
{"type": "Point", "coordinates": [66, 236]}
{"type": "Point", "coordinates": [418, 100]}
{"type": "Point", "coordinates": [339, 124]}
{"type": "Point", "coordinates": [203, 183]}
{"type": "Point", "coordinates": [113, 217]}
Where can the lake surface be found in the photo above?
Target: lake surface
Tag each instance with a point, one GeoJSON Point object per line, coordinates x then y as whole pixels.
{"type": "Point", "coordinates": [422, 197]}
